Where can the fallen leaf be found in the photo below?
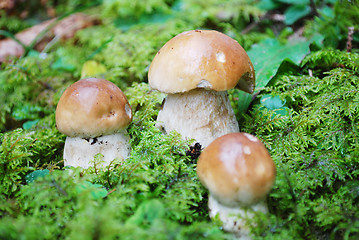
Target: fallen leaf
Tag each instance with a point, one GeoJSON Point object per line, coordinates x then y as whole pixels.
{"type": "Point", "coordinates": [64, 29]}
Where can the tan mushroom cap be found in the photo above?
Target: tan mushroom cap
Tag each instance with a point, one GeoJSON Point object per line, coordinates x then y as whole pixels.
{"type": "Point", "coordinates": [201, 59]}
{"type": "Point", "coordinates": [236, 169]}
{"type": "Point", "coordinates": [91, 108]}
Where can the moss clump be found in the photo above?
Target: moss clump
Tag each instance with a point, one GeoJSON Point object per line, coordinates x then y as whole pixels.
{"type": "Point", "coordinates": [157, 170]}
{"type": "Point", "coordinates": [313, 138]}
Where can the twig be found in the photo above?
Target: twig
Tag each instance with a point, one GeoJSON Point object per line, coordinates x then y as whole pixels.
{"type": "Point", "coordinates": [314, 8]}
{"type": "Point", "coordinates": [59, 188]}
{"type": "Point", "coordinates": [350, 39]}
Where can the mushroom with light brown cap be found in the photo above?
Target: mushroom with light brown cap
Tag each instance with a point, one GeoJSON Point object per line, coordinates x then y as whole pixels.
{"type": "Point", "coordinates": [238, 172]}
{"type": "Point", "coordinates": [94, 114]}
{"type": "Point", "coordinates": [195, 69]}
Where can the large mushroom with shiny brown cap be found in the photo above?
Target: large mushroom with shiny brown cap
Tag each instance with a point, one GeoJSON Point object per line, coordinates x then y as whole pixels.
{"type": "Point", "coordinates": [238, 172]}
{"type": "Point", "coordinates": [195, 69]}
{"type": "Point", "coordinates": [94, 114]}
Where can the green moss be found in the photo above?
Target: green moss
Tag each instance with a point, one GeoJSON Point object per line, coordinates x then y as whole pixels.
{"type": "Point", "coordinates": [133, 8]}
{"type": "Point", "coordinates": [158, 168]}
{"type": "Point", "coordinates": [307, 117]}
{"type": "Point", "coordinates": [315, 147]}
{"type": "Point", "coordinates": [129, 54]}
{"type": "Point", "coordinates": [11, 24]}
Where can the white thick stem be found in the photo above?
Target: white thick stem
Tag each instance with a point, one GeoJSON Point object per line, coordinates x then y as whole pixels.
{"type": "Point", "coordinates": [199, 114]}
{"type": "Point", "coordinates": [234, 218]}
{"type": "Point", "coordinates": [80, 152]}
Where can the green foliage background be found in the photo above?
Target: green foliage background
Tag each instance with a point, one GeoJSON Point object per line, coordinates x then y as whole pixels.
{"type": "Point", "coordinates": [305, 110]}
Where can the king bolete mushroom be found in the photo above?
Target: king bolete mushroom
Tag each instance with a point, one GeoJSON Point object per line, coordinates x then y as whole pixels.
{"type": "Point", "coordinates": [195, 69]}
{"type": "Point", "coordinates": [238, 172]}
{"type": "Point", "coordinates": [94, 114]}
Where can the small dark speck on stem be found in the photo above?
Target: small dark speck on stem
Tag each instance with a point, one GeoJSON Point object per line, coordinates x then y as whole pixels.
{"type": "Point", "coordinates": [94, 140]}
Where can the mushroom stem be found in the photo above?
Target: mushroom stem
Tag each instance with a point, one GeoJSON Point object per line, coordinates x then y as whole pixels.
{"type": "Point", "coordinates": [80, 152]}
{"type": "Point", "coordinates": [234, 218]}
{"type": "Point", "coordinates": [199, 114]}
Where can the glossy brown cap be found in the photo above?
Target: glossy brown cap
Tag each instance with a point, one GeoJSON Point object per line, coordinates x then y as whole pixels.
{"type": "Point", "coordinates": [201, 59]}
{"type": "Point", "coordinates": [236, 169]}
{"type": "Point", "coordinates": [91, 108]}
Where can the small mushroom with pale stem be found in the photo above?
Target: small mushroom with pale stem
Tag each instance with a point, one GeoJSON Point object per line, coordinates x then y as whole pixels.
{"type": "Point", "coordinates": [94, 114]}
{"type": "Point", "coordinates": [195, 69]}
{"type": "Point", "coordinates": [238, 172]}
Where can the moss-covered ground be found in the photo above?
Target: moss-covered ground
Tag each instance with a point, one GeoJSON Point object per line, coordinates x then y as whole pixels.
{"type": "Point", "coordinates": [305, 109]}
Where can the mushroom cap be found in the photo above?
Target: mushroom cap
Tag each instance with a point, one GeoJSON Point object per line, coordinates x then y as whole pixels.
{"type": "Point", "coordinates": [91, 108]}
{"type": "Point", "coordinates": [236, 169]}
{"type": "Point", "coordinates": [201, 59]}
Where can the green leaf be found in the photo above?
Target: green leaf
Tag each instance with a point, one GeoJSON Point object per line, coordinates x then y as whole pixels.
{"type": "Point", "coordinates": [97, 190]}
{"type": "Point", "coordinates": [36, 174]}
{"type": "Point", "coordinates": [267, 56]}
{"type": "Point", "coordinates": [327, 12]}
{"type": "Point", "coordinates": [272, 102]}
{"type": "Point", "coordinates": [317, 41]}
{"type": "Point", "coordinates": [147, 212]}
{"type": "Point", "coordinates": [268, 5]}
{"type": "Point", "coordinates": [29, 124]}
{"type": "Point", "coordinates": [33, 53]}
{"type": "Point", "coordinates": [275, 103]}
{"type": "Point", "coordinates": [296, 12]}
{"type": "Point", "coordinates": [295, 2]}
{"type": "Point", "coordinates": [63, 65]}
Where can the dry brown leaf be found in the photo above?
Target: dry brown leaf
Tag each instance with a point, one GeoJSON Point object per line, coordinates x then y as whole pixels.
{"type": "Point", "coordinates": [7, 4]}
{"type": "Point", "coordinates": [64, 29]}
